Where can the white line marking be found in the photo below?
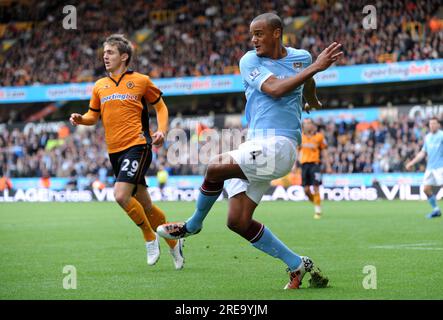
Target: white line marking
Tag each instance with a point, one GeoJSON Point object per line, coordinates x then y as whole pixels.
{"type": "Point", "coordinates": [410, 246]}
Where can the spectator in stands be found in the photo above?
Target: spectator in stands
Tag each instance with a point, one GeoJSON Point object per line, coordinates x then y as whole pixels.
{"type": "Point", "coordinates": [5, 183]}
{"type": "Point", "coordinates": [45, 180]}
{"type": "Point", "coordinates": [207, 37]}
{"type": "Point", "coordinates": [72, 182]}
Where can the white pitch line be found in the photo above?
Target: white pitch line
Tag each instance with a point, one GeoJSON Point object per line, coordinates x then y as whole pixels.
{"type": "Point", "coordinates": [411, 246]}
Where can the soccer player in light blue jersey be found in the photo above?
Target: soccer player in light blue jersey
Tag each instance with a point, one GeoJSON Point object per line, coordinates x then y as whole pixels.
{"type": "Point", "coordinates": [275, 79]}
{"type": "Point", "coordinates": [433, 148]}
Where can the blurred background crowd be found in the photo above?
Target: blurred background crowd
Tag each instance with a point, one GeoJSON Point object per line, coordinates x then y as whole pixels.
{"type": "Point", "coordinates": [206, 37]}
{"type": "Point", "coordinates": [353, 147]}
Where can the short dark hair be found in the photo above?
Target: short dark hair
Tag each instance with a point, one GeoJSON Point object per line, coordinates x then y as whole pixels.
{"type": "Point", "coordinates": [436, 119]}
{"type": "Point", "coordinates": [272, 20]}
{"type": "Point", "coordinates": [123, 45]}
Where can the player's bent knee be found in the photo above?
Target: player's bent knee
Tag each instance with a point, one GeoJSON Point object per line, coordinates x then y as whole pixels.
{"type": "Point", "coordinates": [234, 226]}
{"type": "Point", "coordinates": [428, 190]}
{"type": "Point", "coordinates": [213, 172]}
{"type": "Point", "coordinates": [237, 225]}
{"type": "Point", "coordinates": [121, 198]}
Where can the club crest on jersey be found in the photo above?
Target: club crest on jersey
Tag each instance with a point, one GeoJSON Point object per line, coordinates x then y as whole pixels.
{"type": "Point", "coordinates": [254, 74]}
{"type": "Point", "coordinates": [130, 84]}
{"type": "Point", "coordinates": [297, 66]}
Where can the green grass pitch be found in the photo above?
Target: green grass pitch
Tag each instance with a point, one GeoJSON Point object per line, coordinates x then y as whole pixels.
{"type": "Point", "coordinates": [37, 240]}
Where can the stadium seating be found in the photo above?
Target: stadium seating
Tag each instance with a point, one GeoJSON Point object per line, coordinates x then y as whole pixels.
{"type": "Point", "coordinates": [192, 38]}
{"type": "Point", "coordinates": [353, 148]}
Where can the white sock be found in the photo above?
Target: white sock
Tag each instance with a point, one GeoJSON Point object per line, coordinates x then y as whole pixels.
{"type": "Point", "coordinates": [317, 209]}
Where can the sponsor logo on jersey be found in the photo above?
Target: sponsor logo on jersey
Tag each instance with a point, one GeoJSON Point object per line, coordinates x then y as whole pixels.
{"type": "Point", "coordinates": [119, 96]}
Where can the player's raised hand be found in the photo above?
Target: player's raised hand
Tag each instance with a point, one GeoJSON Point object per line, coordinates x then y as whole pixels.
{"type": "Point", "coordinates": [328, 56]}
{"type": "Point", "coordinates": [75, 119]}
{"type": "Point", "coordinates": [312, 105]}
{"type": "Point", "coordinates": [158, 138]}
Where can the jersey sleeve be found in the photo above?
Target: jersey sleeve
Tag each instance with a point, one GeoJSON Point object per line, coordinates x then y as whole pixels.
{"type": "Point", "coordinates": [152, 93]}
{"type": "Point", "coordinates": [307, 58]}
{"type": "Point", "coordinates": [253, 72]}
{"type": "Point", "coordinates": [94, 103]}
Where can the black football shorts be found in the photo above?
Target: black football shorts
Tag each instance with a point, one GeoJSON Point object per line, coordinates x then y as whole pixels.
{"type": "Point", "coordinates": [130, 165]}
{"type": "Point", "coordinates": [310, 174]}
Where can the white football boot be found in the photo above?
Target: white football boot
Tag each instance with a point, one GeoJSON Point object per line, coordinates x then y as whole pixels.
{"type": "Point", "coordinates": [177, 254]}
{"type": "Point", "coordinates": [153, 251]}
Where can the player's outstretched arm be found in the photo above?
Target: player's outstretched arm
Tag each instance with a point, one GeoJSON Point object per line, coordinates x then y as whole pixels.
{"type": "Point", "coordinates": [88, 119]}
{"type": "Point", "coordinates": [161, 109]}
{"type": "Point", "coordinates": [419, 157]}
{"type": "Point", "coordinates": [277, 88]}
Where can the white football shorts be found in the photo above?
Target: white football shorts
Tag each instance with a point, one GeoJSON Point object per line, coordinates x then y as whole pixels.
{"type": "Point", "coordinates": [433, 177]}
{"type": "Point", "coordinates": [261, 160]}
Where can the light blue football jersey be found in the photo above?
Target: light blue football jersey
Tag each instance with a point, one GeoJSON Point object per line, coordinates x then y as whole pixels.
{"type": "Point", "coordinates": [264, 112]}
{"type": "Point", "coordinates": [433, 147]}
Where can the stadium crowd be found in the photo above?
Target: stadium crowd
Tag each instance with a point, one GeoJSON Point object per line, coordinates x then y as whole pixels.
{"type": "Point", "coordinates": [191, 38]}
{"type": "Point", "coordinates": [383, 146]}
{"type": "Point", "coordinates": [354, 147]}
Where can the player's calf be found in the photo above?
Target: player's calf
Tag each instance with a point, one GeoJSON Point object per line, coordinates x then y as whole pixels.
{"type": "Point", "coordinates": [248, 229]}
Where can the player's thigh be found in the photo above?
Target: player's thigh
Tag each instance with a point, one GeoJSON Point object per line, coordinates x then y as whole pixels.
{"type": "Point", "coordinates": [223, 167]}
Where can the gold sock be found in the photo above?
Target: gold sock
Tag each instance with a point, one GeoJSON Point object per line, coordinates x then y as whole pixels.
{"type": "Point", "coordinates": [317, 198]}
{"type": "Point", "coordinates": [310, 197]}
{"type": "Point", "coordinates": [157, 217]}
{"type": "Point", "coordinates": [317, 201]}
{"type": "Point", "coordinates": [135, 211]}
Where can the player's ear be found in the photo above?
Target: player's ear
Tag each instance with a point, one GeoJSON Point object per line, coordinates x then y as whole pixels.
{"type": "Point", "coordinates": [277, 33]}
{"type": "Point", "coordinates": [124, 57]}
